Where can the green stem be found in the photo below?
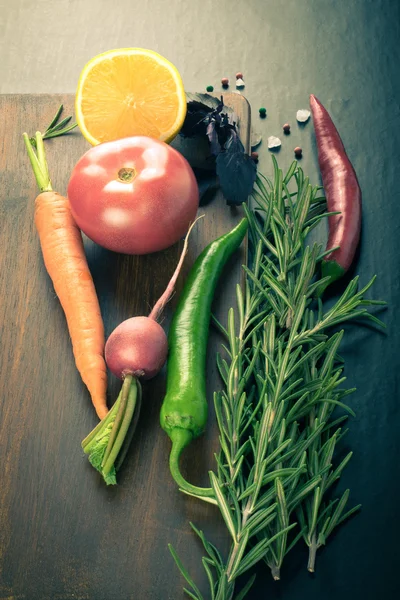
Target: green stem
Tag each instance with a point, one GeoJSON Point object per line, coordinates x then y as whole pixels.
{"type": "Point", "coordinates": [38, 162]}
{"type": "Point", "coordinates": [276, 572]}
{"type": "Point", "coordinates": [128, 439]}
{"type": "Point", "coordinates": [41, 154]}
{"type": "Point", "coordinates": [86, 443]}
{"type": "Point", "coordinates": [107, 444]}
{"type": "Point", "coordinates": [225, 590]}
{"type": "Point", "coordinates": [123, 430]}
{"type": "Point", "coordinates": [312, 553]}
{"type": "Point", "coordinates": [118, 419]}
{"type": "Point", "coordinates": [180, 439]}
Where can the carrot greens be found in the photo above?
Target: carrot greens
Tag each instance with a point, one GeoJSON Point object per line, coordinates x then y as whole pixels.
{"type": "Point", "coordinates": [283, 383]}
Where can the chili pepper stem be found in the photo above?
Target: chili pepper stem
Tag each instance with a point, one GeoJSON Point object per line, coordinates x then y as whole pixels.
{"type": "Point", "coordinates": [180, 439]}
{"type": "Point", "coordinates": [331, 269]}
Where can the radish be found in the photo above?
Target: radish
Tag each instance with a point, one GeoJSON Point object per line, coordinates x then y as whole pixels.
{"type": "Point", "coordinates": [137, 348]}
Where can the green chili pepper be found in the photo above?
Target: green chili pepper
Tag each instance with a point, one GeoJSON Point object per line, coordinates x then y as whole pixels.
{"type": "Point", "coordinates": [184, 410]}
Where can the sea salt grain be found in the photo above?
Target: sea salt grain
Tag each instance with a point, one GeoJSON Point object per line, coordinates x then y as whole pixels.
{"type": "Point", "coordinates": [274, 142]}
{"type": "Point", "coordinates": [255, 138]}
{"type": "Point", "coordinates": [303, 115]}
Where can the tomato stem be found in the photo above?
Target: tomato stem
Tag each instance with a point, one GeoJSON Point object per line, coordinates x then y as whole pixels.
{"type": "Point", "coordinates": [126, 174]}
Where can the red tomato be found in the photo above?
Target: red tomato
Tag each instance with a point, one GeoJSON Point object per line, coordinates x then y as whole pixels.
{"type": "Point", "coordinates": [135, 195]}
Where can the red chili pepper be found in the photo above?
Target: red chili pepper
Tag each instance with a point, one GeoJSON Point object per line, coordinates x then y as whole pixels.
{"type": "Point", "coordinates": [342, 193]}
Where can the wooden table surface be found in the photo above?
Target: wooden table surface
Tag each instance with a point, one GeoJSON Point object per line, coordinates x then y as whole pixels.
{"type": "Point", "coordinates": [63, 533]}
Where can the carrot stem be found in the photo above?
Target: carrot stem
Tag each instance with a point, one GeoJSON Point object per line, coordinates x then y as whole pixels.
{"type": "Point", "coordinates": [38, 162]}
{"type": "Point", "coordinates": [42, 158]}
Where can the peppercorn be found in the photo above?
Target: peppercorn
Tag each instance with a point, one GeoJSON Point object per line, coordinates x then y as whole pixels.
{"type": "Point", "coordinates": [210, 88]}
{"type": "Point", "coordinates": [239, 75]}
{"type": "Point", "coordinates": [286, 128]}
{"type": "Point", "coordinates": [298, 152]}
{"type": "Point", "coordinates": [225, 82]}
{"type": "Point", "coordinates": [263, 112]}
{"type": "Point", "coordinates": [254, 156]}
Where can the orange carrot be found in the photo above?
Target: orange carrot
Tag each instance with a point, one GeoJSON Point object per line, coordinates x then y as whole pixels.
{"type": "Point", "coordinates": [65, 261]}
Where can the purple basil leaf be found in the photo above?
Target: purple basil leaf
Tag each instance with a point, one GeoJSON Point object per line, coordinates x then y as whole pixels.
{"type": "Point", "coordinates": [194, 124]}
{"type": "Point", "coordinates": [236, 171]}
{"type": "Point", "coordinates": [204, 101]}
{"type": "Point", "coordinates": [212, 135]}
{"type": "Point", "coordinates": [199, 107]}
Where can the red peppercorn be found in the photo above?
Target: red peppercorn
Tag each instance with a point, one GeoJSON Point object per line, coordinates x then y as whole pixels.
{"type": "Point", "coordinates": [298, 152]}
{"type": "Point", "coordinates": [286, 128]}
{"type": "Point", "coordinates": [239, 75]}
{"type": "Point", "coordinates": [225, 81]}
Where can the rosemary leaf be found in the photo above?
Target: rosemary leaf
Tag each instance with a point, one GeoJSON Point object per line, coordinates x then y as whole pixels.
{"type": "Point", "coordinates": [258, 551]}
{"type": "Point", "coordinates": [245, 590]}
{"type": "Point", "coordinates": [223, 506]}
{"type": "Point", "coordinates": [186, 575]}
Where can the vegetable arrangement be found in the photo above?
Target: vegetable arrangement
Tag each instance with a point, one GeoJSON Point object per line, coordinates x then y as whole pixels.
{"type": "Point", "coordinates": [280, 368]}
{"type": "Point", "coordinates": [282, 378]}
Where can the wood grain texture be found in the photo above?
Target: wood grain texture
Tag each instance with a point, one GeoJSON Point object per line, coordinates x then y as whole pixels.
{"type": "Point", "coordinates": [63, 534]}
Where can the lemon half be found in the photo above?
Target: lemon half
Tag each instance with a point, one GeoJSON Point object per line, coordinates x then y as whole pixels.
{"type": "Point", "coordinates": [130, 91]}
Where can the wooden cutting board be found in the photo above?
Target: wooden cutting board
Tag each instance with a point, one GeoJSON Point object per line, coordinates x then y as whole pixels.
{"type": "Point", "coordinates": [64, 534]}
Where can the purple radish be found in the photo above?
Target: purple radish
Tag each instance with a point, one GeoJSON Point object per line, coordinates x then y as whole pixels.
{"type": "Point", "coordinates": [138, 346]}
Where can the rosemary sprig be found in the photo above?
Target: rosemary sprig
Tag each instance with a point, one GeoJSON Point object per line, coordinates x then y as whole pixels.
{"type": "Point", "coordinates": [56, 128]}
{"type": "Point", "coordinates": [282, 375]}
